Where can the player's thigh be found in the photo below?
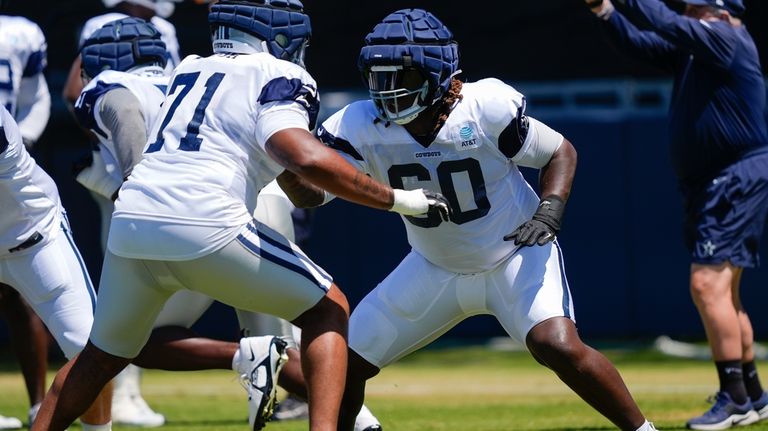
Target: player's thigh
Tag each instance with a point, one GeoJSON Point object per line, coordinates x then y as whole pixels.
{"type": "Point", "coordinates": [183, 308]}
{"type": "Point", "coordinates": [130, 300]}
{"type": "Point", "coordinates": [412, 307]}
{"type": "Point", "coordinates": [54, 281]}
{"type": "Point", "coordinates": [529, 288]}
{"type": "Point", "coordinates": [259, 271]}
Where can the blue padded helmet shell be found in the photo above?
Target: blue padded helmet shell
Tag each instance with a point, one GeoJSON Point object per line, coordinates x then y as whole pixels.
{"type": "Point", "coordinates": [282, 24]}
{"type": "Point", "coordinates": [122, 45]}
{"type": "Point", "coordinates": [413, 38]}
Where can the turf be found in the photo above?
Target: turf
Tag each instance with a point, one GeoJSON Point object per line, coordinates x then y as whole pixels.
{"type": "Point", "coordinates": [468, 388]}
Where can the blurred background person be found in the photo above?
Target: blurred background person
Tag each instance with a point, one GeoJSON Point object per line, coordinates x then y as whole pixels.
{"type": "Point", "coordinates": [129, 407]}
{"type": "Point", "coordinates": [719, 148]}
{"type": "Point", "coordinates": [24, 93]}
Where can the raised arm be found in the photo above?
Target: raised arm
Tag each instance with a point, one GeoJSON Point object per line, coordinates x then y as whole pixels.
{"type": "Point", "coordinates": [712, 41]}
{"type": "Point", "coordinates": [644, 45]}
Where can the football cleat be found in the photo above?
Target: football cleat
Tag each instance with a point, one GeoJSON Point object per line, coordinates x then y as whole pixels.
{"type": "Point", "coordinates": [291, 408]}
{"type": "Point", "coordinates": [8, 423]}
{"type": "Point", "coordinates": [134, 411]}
{"type": "Point", "coordinates": [261, 359]}
{"type": "Point", "coordinates": [32, 413]}
{"type": "Point", "coordinates": [366, 421]}
{"type": "Point", "coordinates": [724, 414]}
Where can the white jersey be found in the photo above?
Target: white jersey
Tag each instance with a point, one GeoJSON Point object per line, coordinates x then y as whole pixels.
{"type": "Point", "coordinates": [166, 29]}
{"type": "Point", "coordinates": [149, 90]}
{"type": "Point", "coordinates": [22, 55]}
{"type": "Point", "coordinates": [196, 187]}
{"type": "Point", "coordinates": [28, 196]}
{"type": "Point", "coordinates": [489, 195]}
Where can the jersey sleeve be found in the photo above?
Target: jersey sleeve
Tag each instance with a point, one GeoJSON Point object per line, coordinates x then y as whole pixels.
{"type": "Point", "coordinates": [337, 134]}
{"type": "Point", "coordinates": [524, 140]}
{"type": "Point", "coordinates": [286, 102]}
{"type": "Point", "coordinates": [38, 53]}
{"type": "Point", "coordinates": [85, 106]}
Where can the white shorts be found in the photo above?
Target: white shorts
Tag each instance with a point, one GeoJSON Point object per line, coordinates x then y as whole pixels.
{"type": "Point", "coordinates": [184, 308]}
{"type": "Point", "coordinates": [418, 302]}
{"type": "Point", "coordinates": [258, 271]}
{"type": "Point", "coordinates": [53, 279]}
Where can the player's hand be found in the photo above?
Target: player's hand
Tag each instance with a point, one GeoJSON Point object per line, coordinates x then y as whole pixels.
{"type": "Point", "coordinates": [438, 204]}
{"type": "Point", "coordinates": [543, 226]}
{"type": "Point", "coordinates": [97, 178]}
{"type": "Point", "coordinates": [420, 201]}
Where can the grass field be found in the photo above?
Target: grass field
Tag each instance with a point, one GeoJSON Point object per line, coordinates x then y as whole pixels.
{"type": "Point", "coordinates": [468, 388]}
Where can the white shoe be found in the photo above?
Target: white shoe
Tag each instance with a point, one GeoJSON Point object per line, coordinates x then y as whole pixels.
{"type": "Point", "coordinates": [291, 408]}
{"type": "Point", "coordinates": [261, 359]}
{"type": "Point", "coordinates": [32, 414]}
{"type": "Point", "coordinates": [7, 423]}
{"type": "Point", "coordinates": [134, 411]}
{"type": "Point", "coordinates": [366, 421]}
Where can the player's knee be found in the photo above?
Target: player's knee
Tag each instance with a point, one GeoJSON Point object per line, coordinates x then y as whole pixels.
{"type": "Point", "coordinates": [555, 342]}
{"type": "Point", "coordinates": [331, 310]}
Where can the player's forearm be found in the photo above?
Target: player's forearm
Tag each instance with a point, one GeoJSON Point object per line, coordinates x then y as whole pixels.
{"type": "Point", "coordinates": [302, 193]}
{"type": "Point", "coordinates": [299, 152]}
{"type": "Point", "coordinates": [556, 177]}
{"type": "Point", "coordinates": [337, 176]}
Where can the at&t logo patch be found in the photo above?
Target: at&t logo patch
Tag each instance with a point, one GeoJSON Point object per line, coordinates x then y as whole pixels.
{"type": "Point", "coordinates": [468, 139]}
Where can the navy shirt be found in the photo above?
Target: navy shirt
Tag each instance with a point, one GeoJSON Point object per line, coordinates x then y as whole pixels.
{"type": "Point", "coordinates": [718, 101]}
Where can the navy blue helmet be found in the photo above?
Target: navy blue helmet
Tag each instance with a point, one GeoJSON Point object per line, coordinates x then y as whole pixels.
{"type": "Point", "coordinates": [408, 41]}
{"type": "Point", "coordinates": [279, 27]}
{"type": "Point", "coordinates": [122, 45]}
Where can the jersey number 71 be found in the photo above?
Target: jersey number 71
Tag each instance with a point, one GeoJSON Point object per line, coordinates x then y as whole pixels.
{"type": "Point", "coordinates": [190, 141]}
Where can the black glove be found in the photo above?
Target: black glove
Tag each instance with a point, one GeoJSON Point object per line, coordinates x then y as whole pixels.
{"type": "Point", "coordinates": [543, 226]}
{"type": "Point", "coordinates": [438, 204]}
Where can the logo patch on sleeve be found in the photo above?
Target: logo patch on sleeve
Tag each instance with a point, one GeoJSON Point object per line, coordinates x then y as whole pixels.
{"type": "Point", "coordinates": [467, 138]}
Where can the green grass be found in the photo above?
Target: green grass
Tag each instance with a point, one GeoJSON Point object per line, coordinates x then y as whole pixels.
{"type": "Point", "coordinates": [468, 388]}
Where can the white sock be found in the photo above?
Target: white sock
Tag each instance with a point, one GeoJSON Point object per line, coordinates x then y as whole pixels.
{"type": "Point", "coordinates": [647, 426]}
{"type": "Point", "coordinates": [236, 361]}
{"type": "Point", "coordinates": [103, 427]}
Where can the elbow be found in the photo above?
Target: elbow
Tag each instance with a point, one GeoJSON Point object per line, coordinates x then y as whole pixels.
{"type": "Point", "coordinates": [567, 152]}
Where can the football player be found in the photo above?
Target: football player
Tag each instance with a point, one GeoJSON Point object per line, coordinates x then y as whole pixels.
{"type": "Point", "coordinates": [24, 93]}
{"type": "Point", "coordinates": [154, 11]}
{"type": "Point", "coordinates": [123, 68]}
{"type": "Point", "coordinates": [128, 406]}
{"type": "Point", "coordinates": [39, 259]}
{"type": "Point", "coordinates": [498, 254]}
{"type": "Point", "coordinates": [231, 122]}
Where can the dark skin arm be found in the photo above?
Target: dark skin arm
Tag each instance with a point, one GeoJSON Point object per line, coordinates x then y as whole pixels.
{"type": "Point", "coordinates": [301, 192]}
{"type": "Point", "coordinates": [306, 157]}
{"type": "Point", "coordinates": [556, 177]}
{"type": "Point", "coordinates": [555, 180]}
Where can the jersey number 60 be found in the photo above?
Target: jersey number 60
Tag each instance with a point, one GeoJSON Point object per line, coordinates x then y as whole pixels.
{"type": "Point", "coordinates": [445, 172]}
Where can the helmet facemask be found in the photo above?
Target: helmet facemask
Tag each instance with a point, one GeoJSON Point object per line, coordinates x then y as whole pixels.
{"type": "Point", "coordinates": [400, 94]}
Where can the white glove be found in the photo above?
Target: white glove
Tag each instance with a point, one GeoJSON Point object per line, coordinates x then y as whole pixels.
{"type": "Point", "coordinates": [98, 178]}
{"type": "Point", "coordinates": [420, 201]}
